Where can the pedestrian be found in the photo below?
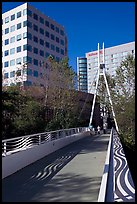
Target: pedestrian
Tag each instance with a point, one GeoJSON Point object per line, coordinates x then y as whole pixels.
{"type": "Point", "coordinates": [104, 128]}
{"type": "Point", "coordinates": [98, 129]}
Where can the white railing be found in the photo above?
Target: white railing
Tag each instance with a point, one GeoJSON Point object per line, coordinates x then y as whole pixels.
{"type": "Point", "coordinates": [10, 146]}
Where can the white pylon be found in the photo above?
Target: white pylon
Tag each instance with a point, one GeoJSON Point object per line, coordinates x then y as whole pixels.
{"type": "Point", "coordinates": [101, 71]}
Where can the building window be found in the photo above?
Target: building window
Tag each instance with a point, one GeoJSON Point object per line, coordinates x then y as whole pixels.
{"type": "Point", "coordinates": [52, 37]}
{"type": "Point", "coordinates": [62, 32]}
{"type": "Point", "coordinates": [24, 12]}
{"type": "Point", "coordinates": [57, 39]}
{"type": "Point", "coordinates": [24, 23]}
{"type": "Point", "coordinates": [6, 41]}
{"type": "Point", "coordinates": [18, 37]}
{"type": "Point", "coordinates": [47, 34]}
{"type": "Point", "coordinates": [41, 31]}
{"type": "Point", "coordinates": [24, 47]}
{"type": "Point", "coordinates": [24, 35]}
{"type": "Point", "coordinates": [62, 42]}
{"type": "Point", "coordinates": [12, 39]}
{"type": "Point", "coordinates": [6, 30]}
{"type": "Point", "coordinates": [6, 75]}
{"type": "Point", "coordinates": [6, 19]}
{"type": "Point", "coordinates": [47, 44]}
{"type": "Point", "coordinates": [29, 48]}
{"type": "Point", "coordinates": [12, 28]}
{"type": "Point", "coordinates": [18, 60]}
{"type": "Point", "coordinates": [29, 72]}
{"type": "Point", "coordinates": [12, 62]}
{"type": "Point", "coordinates": [29, 36]}
{"type": "Point", "coordinates": [35, 16]}
{"type": "Point", "coordinates": [35, 73]}
{"type": "Point", "coordinates": [57, 49]}
{"type": "Point", "coordinates": [62, 52]}
{"type": "Point", "coordinates": [19, 14]}
{"type": "Point", "coordinates": [6, 64]}
{"type": "Point", "coordinates": [19, 49]}
{"type": "Point", "coordinates": [35, 27]}
{"type": "Point", "coordinates": [18, 26]}
{"type": "Point", "coordinates": [12, 74]}
{"type": "Point", "coordinates": [12, 17]}
{"type": "Point", "coordinates": [35, 61]}
{"type": "Point", "coordinates": [52, 26]}
{"type": "Point", "coordinates": [25, 59]}
{"type": "Point", "coordinates": [57, 29]}
{"type": "Point", "coordinates": [29, 60]}
{"type": "Point", "coordinates": [42, 53]}
{"type": "Point", "coordinates": [47, 23]}
{"type": "Point", "coordinates": [6, 53]}
{"type": "Point", "coordinates": [41, 20]}
{"type": "Point", "coordinates": [41, 42]}
{"type": "Point", "coordinates": [29, 24]}
{"type": "Point", "coordinates": [35, 50]}
{"type": "Point", "coordinates": [12, 51]}
{"type": "Point", "coordinates": [52, 47]}
{"type": "Point", "coordinates": [29, 12]}
{"type": "Point", "coordinates": [47, 54]}
{"type": "Point", "coordinates": [35, 39]}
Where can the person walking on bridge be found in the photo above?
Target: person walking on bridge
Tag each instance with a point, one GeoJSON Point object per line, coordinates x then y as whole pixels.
{"type": "Point", "coordinates": [98, 129]}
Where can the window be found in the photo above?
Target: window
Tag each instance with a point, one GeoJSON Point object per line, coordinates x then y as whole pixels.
{"type": "Point", "coordinates": [29, 48]}
{"type": "Point", "coordinates": [29, 24]}
{"type": "Point", "coordinates": [18, 37]}
{"type": "Point", "coordinates": [24, 23]}
{"type": "Point", "coordinates": [29, 12]}
{"type": "Point", "coordinates": [6, 30]}
{"type": "Point", "coordinates": [47, 23]}
{"type": "Point", "coordinates": [12, 28]}
{"type": "Point", "coordinates": [42, 53]}
{"type": "Point", "coordinates": [12, 62]}
{"type": "Point", "coordinates": [25, 59]}
{"type": "Point", "coordinates": [57, 29]}
{"type": "Point", "coordinates": [6, 53]}
{"type": "Point", "coordinates": [6, 41]}
{"type": "Point", "coordinates": [47, 34]}
{"type": "Point", "coordinates": [57, 49]}
{"type": "Point", "coordinates": [12, 51]}
{"type": "Point", "coordinates": [41, 31]}
{"type": "Point", "coordinates": [41, 42]}
{"type": "Point", "coordinates": [24, 12]}
{"type": "Point", "coordinates": [18, 26]}
{"type": "Point", "coordinates": [24, 47]}
{"type": "Point", "coordinates": [52, 37]}
{"type": "Point", "coordinates": [12, 74]}
{"type": "Point", "coordinates": [29, 72]}
{"type": "Point", "coordinates": [19, 49]}
{"type": "Point", "coordinates": [35, 50]}
{"type": "Point", "coordinates": [61, 32]}
{"type": "Point", "coordinates": [12, 39]}
{"type": "Point", "coordinates": [12, 17]}
{"type": "Point", "coordinates": [6, 64]}
{"type": "Point", "coordinates": [52, 26]}
{"type": "Point", "coordinates": [47, 54]}
{"type": "Point", "coordinates": [35, 27]}
{"type": "Point", "coordinates": [62, 52]}
{"type": "Point", "coordinates": [29, 60]}
{"type": "Point", "coordinates": [47, 44]}
{"type": "Point", "coordinates": [6, 75]}
{"type": "Point", "coordinates": [35, 16]}
{"type": "Point", "coordinates": [41, 20]}
{"type": "Point", "coordinates": [62, 42]}
{"type": "Point", "coordinates": [18, 60]}
{"type": "Point", "coordinates": [35, 61]}
{"type": "Point", "coordinates": [29, 36]}
{"type": "Point", "coordinates": [24, 35]}
{"type": "Point", "coordinates": [52, 47]}
{"type": "Point", "coordinates": [57, 39]}
{"type": "Point", "coordinates": [35, 73]}
{"type": "Point", "coordinates": [35, 39]}
{"type": "Point", "coordinates": [19, 14]}
{"type": "Point", "coordinates": [6, 19]}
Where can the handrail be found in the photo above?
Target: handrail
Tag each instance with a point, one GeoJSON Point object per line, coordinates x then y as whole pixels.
{"type": "Point", "coordinates": [13, 145]}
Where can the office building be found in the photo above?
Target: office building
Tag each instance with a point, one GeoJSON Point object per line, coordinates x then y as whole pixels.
{"type": "Point", "coordinates": [113, 58]}
{"type": "Point", "coordinates": [28, 38]}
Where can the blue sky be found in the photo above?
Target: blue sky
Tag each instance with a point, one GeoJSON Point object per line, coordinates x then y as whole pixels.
{"type": "Point", "coordinates": [89, 23]}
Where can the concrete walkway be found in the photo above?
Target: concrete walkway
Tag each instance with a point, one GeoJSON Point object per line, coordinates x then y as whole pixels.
{"type": "Point", "coordinates": [71, 174]}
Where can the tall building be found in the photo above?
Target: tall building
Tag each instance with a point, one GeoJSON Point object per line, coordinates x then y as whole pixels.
{"type": "Point", "coordinates": [28, 38]}
{"type": "Point", "coordinates": [113, 58]}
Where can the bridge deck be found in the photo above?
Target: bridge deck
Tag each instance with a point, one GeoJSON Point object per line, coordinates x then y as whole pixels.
{"type": "Point", "coordinates": [71, 174]}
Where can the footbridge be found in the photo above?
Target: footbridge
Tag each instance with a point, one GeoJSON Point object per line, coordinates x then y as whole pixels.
{"type": "Point", "coordinates": [69, 165]}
